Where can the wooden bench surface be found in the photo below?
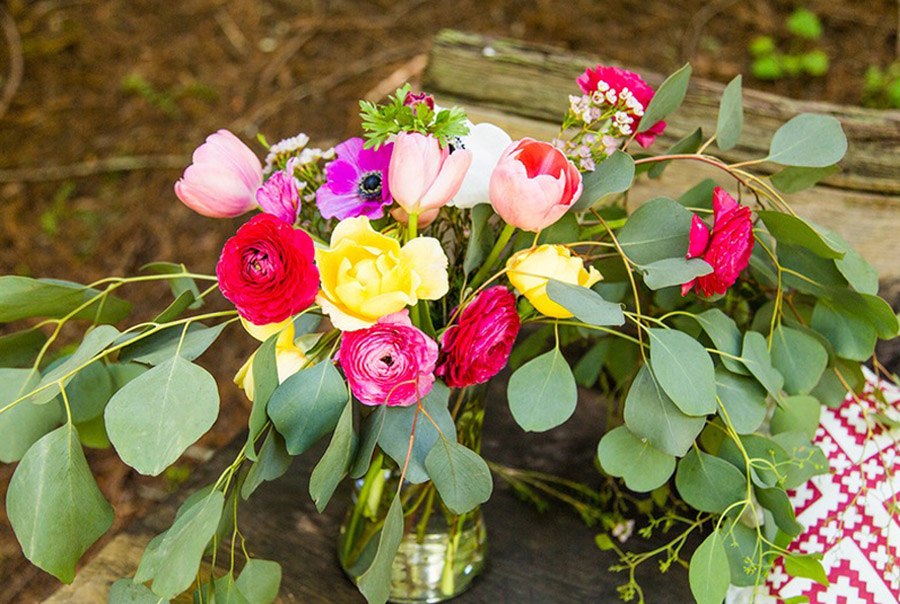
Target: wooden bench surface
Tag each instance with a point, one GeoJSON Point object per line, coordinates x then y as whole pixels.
{"type": "Point", "coordinates": [535, 557]}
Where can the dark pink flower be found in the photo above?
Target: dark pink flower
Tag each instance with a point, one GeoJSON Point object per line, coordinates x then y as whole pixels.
{"type": "Point", "coordinates": [412, 100]}
{"type": "Point", "coordinates": [267, 270]}
{"type": "Point", "coordinates": [617, 79]}
{"type": "Point", "coordinates": [727, 249]}
{"type": "Point", "coordinates": [391, 363]}
{"type": "Point", "coordinates": [477, 347]}
{"type": "Point", "coordinates": [280, 196]}
{"type": "Point", "coordinates": [356, 182]}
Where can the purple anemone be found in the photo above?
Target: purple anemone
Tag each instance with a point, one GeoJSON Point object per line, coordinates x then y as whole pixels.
{"type": "Point", "coordinates": [356, 182]}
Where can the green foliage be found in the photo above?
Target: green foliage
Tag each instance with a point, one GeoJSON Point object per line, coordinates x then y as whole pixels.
{"type": "Point", "coordinates": [803, 56]}
{"type": "Point", "coordinates": [657, 230]}
{"type": "Point", "coordinates": [336, 460]}
{"type": "Point", "coordinates": [586, 304]}
{"type": "Point", "coordinates": [667, 99]}
{"type": "Point", "coordinates": [614, 174]}
{"type": "Point", "coordinates": [882, 87]}
{"type": "Point", "coordinates": [684, 370]}
{"type": "Point", "coordinates": [804, 23]}
{"type": "Point", "coordinates": [642, 466]}
{"type": "Point", "coordinates": [709, 571]}
{"type": "Point", "coordinates": [375, 583]}
{"type": "Point", "coordinates": [542, 393]}
{"type": "Point", "coordinates": [54, 505]}
{"type": "Point", "coordinates": [808, 140]}
{"type": "Point", "coordinates": [159, 414]}
{"type": "Point", "coordinates": [709, 483]}
{"type": "Point", "coordinates": [24, 298]}
{"type": "Point", "coordinates": [381, 121]}
{"type": "Point", "coordinates": [460, 475]}
{"type": "Point", "coordinates": [272, 462]}
{"type": "Point", "coordinates": [730, 121]}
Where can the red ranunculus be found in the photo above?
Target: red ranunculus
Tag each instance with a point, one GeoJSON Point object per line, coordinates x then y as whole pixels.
{"type": "Point", "coordinates": [727, 249]}
{"type": "Point", "coordinates": [477, 347]}
{"type": "Point", "coordinates": [267, 270]}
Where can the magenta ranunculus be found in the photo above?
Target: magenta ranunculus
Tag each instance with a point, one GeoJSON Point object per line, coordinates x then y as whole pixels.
{"type": "Point", "coordinates": [223, 178]}
{"type": "Point", "coordinates": [280, 195]}
{"type": "Point", "coordinates": [356, 182]}
{"type": "Point", "coordinates": [391, 363]}
{"type": "Point", "coordinates": [727, 249]}
{"type": "Point", "coordinates": [617, 79]}
{"type": "Point", "coordinates": [477, 346]}
{"type": "Point", "coordinates": [267, 270]}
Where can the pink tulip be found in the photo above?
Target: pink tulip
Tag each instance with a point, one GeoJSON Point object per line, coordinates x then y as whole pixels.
{"type": "Point", "coordinates": [223, 179]}
{"type": "Point", "coordinates": [422, 175]}
{"type": "Point", "coordinates": [533, 185]}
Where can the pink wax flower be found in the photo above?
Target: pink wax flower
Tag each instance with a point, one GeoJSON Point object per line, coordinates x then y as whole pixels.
{"type": "Point", "coordinates": [412, 100]}
{"type": "Point", "coordinates": [391, 363]}
{"type": "Point", "coordinates": [423, 175]}
{"type": "Point", "coordinates": [610, 82]}
{"type": "Point", "coordinates": [223, 178]}
{"type": "Point", "coordinates": [533, 185]}
{"type": "Point", "coordinates": [267, 270]}
{"type": "Point", "coordinates": [280, 195]}
{"type": "Point", "coordinates": [477, 347]}
{"type": "Point", "coordinates": [356, 182]}
{"type": "Point", "coordinates": [727, 249]}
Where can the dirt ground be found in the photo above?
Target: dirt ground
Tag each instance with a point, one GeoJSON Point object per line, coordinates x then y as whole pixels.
{"type": "Point", "coordinates": [142, 82]}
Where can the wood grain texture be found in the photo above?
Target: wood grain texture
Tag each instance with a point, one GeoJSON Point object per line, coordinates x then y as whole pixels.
{"type": "Point", "coordinates": [533, 557]}
{"type": "Point", "coordinates": [534, 81]}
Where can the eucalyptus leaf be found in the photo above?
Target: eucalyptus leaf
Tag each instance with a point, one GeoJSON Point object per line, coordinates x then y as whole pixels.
{"type": "Point", "coordinates": [786, 228]}
{"type": "Point", "coordinates": [730, 121]}
{"type": "Point", "coordinates": [542, 393]}
{"type": "Point", "coordinates": [684, 370]}
{"type": "Point", "coordinates": [652, 415]}
{"type": "Point", "coordinates": [700, 195]}
{"type": "Point", "coordinates": [307, 405]}
{"type": "Point", "coordinates": [688, 144]}
{"type": "Point", "coordinates": [794, 179]}
{"type": "Point", "coordinates": [776, 501]}
{"type": "Point", "coordinates": [725, 335]}
{"type": "Point", "coordinates": [668, 98]}
{"type": "Point", "coordinates": [709, 483]}
{"type": "Point", "coordinates": [461, 476]}
{"type": "Point", "coordinates": [226, 591]}
{"type": "Point", "coordinates": [259, 581]}
{"type": "Point", "coordinates": [852, 336]}
{"type": "Point", "coordinates": [89, 392]}
{"type": "Point", "coordinates": [756, 358]}
{"type": "Point", "coordinates": [375, 582]}
{"type": "Point", "coordinates": [126, 591]}
{"type": "Point", "coordinates": [709, 572]}
{"type": "Point", "coordinates": [586, 304]}
{"type": "Point", "coordinates": [808, 140]}
{"type": "Point", "coordinates": [799, 358]}
{"type": "Point", "coordinates": [93, 343]}
{"type": "Point", "coordinates": [22, 425]}
{"type": "Point", "coordinates": [264, 368]}
{"type": "Point", "coordinates": [614, 174]}
{"type": "Point", "coordinates": [20, 348]}
{"type": "Point", "coordinates": [179, 285]}
{"type": "Point", "coordinates": [54, 506]}
{"type": "Point", "coordinates": [398, 426]}
{"type": "Point", "coordinates": [481, 238]}
{"type": "Point", "coordinates": [657, 230]}
{"type": "Point", "coordinates": [673, 271]}
{"type": "Point", "coordinates": [336, 460]}
{"type": "Point", "coordinates": [640, 464]}
{"type": "Point", "coordinates": [370, 430]}
{"type": "Point", "coordinates": [24, 297]}
{"type": "Point", "coordinates": [797, 413]}
{"type": "Point", "coordinates": [806, 566]}
{"type": "Point", "coordinates": [162, 345]}
{"type": "Point", "coordinates": [744, 400]}
{"type": "Point", "coordinates": [272, 462]}
{"type": "Point", "coordinates": [159, 414]}
{"type": "Point", "coordinates": [588, 368]}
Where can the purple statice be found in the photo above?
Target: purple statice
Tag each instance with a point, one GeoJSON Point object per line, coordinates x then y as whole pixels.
{"type": "Point", "coordinates": [280, 195]}
{"type": "Point", "coordinates": [356, 183]}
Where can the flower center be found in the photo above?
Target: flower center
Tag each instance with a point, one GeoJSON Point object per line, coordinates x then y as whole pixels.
{"type": "Point", "coordinates": [370, 185]}
{"type": "Point", "coordinates": [387, 360]}
{"type": "Point", "coordinates": [257, 262]}
{"type": "Point", "coordinates": [455, 144]}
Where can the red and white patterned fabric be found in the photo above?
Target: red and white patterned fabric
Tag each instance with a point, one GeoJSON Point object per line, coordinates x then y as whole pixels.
{"type": "Point", "coordinates": [847, 512]}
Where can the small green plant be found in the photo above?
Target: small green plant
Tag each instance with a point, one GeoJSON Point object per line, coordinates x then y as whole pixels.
{"type": "Point", "coordinates": [882, 87]}
{"type": "Point", "coordinates": [803, 56]}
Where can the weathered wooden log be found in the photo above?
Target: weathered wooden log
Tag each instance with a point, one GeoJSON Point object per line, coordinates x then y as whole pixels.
{"type": "Point", "coordinates": [524, 88]}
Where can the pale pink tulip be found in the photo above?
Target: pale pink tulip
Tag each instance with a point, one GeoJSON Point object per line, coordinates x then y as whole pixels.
{"type": "Point", "coordinates": [223, 178]}
{"type": "Point", "coordinates": [533, 185]}
{"type": "Point", "coordinates": [422, 175]}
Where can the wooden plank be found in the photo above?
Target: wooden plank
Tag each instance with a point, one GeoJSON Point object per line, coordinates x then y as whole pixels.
{"type": "Point", "coordinates": [535, 81]}
{"type": "Point", "coordinates": [533, 557]}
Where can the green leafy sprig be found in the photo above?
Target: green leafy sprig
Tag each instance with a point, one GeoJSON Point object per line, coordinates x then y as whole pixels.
{"type": "Point", "coordinates": [380, 121]}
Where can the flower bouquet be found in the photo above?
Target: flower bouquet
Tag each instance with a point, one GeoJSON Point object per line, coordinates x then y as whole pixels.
{"type": "Point", "coordinates": [387, 280]}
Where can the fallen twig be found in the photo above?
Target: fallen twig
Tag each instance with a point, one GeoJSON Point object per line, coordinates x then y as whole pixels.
{"type": "Point", "coordinates": [125, 163]}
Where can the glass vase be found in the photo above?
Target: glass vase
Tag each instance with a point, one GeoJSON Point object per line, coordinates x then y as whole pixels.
{"type": "Point", "coordinates": [440, 552]}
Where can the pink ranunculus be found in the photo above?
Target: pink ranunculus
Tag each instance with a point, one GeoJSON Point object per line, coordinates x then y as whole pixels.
{"type": "Point", "coordinates": [280, 196]}
{"type": "Point", "coordinates": [423, 175]}
{"type": "Point", "coordinates": [267, 270]}
{"type": "Point", "coordinates": [727, 249]}
{"type": "Point", "coordinates": [223, 178]}
{"type": "Point", "coordinates": [477, 347]}
{"type": "Point", "coordinates": [533, 185]}
{"type": "Point", "coordinates": [391, 363]}
{"type": "Point", "coordinates": [618, 79]}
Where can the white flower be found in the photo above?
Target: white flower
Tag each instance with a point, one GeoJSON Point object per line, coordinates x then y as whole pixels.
{"type": "Point", "coordinates": [487, 143]}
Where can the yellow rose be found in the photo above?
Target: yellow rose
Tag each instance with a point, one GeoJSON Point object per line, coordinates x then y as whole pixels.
{"type": "Point", "coordinates": [366, 275]}
{"type": "Point", "coordinates": [289, 359]}
{"type": "Point", "coordinates": [529, 271]}
{"type": "Point", "coordinates": [263, 332]}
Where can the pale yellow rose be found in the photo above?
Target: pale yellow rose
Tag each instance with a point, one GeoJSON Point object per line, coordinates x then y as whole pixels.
{"type": "Point", "coordinates": [366, 275]}
{"type": "Point", "coordinates": [263, 332]}
{"type": "Point", "coordinates": [530, 269]}
{"type": "Point", "coordinates": [290, 357]}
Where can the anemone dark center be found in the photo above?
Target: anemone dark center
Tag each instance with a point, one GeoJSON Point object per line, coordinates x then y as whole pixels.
{"type": "Point", "coordinates": [370, 185]}
{"type": "Point", "coordinates": [455, 144]}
